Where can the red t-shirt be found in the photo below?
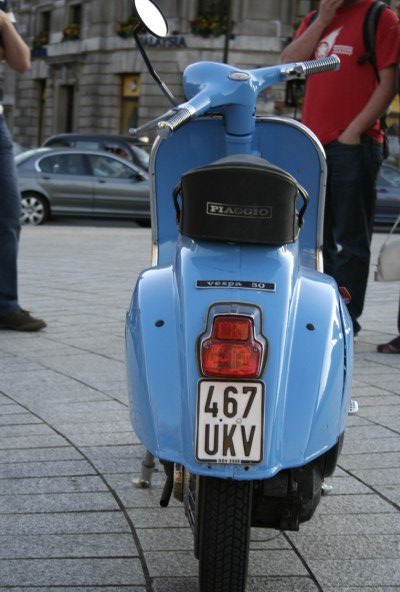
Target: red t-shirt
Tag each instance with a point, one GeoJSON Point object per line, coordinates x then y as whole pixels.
{"type": "Point", "coordinates": [333, 99]}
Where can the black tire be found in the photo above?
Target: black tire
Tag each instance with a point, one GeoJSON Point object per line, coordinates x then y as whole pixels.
{"type": "Point", "coordinates": [34, 209]}
{"type": "Point", "coordinates": [223, 529]}
{"type": "Point", "coordinates": [144, 222]}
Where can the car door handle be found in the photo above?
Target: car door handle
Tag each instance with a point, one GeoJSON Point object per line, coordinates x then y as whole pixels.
{"type": "Point", "coordinates": [46, 177]}
{"type": "Point", "coordinates": [101, 181]}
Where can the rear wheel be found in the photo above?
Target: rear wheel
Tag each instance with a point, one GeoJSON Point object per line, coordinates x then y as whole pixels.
{"type": "Point", "coordinates": [223, 530]}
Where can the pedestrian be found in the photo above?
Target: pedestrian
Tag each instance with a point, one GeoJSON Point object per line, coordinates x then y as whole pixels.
{"type": "Point", "coordinates": [343, 109]}
{"type": "Point", "coordinates": [17, 55]}
{"type": "Point", "coordinates": [392, 347]}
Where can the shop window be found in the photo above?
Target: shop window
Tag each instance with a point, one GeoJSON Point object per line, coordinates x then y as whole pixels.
{"type": "Point", "coordinates": [129, 102]}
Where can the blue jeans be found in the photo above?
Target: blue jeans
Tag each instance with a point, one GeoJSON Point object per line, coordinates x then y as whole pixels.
{"type": "Point", "coordinates": [349, 215]}
{"type": "Point", "coordinates": [10, 211]}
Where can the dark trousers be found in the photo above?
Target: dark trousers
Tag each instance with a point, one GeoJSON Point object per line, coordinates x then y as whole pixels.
{"type": "Point", "coordinates": [349, 214]}
{"type": "Point", "coordinates": [10, 211]}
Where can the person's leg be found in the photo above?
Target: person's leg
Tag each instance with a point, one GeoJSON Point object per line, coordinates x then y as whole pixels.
{"type": "Point", "coordinates": [9, 224]}
{"type": "Point", "coordinates": [353, 172]}
{"type": "Point", "coordinates": [12, 316]}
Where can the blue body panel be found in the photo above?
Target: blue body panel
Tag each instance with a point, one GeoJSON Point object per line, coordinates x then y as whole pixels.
{"type": "Point", "coordinates": [308, 373]}
{"type": "Point", "coordinates": [307, 390]}
{"type": "Point", "coordinates": [281, 141]}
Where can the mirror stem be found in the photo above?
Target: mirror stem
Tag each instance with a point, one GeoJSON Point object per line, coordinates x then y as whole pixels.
{"type": "Point", "coordinates": [164, 88]}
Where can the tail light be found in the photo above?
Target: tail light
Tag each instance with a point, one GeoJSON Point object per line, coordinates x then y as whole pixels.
{"type": "Point", "coordinates": [232, 349]}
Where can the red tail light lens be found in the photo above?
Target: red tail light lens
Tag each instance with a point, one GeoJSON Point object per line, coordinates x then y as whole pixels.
{"type": "Point", "coordinates": [232, 349]}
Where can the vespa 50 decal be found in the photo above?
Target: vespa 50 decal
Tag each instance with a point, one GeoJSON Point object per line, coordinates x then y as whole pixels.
{"type": "Point", "coordinates": [268, 287]}
{"type": "Point", "coordinates": [236, 211]}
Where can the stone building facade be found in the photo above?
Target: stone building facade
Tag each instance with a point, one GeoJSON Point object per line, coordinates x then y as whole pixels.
{"type": "Point", "coordinates": [89, 78]}
{"type": "Point", "coordinates": [86, 77]}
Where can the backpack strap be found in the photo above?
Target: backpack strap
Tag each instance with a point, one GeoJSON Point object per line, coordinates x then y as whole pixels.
{"type": "Point", "coordinates": [369, 32]}
{"type": "Point", "coordinates": [312, 18]}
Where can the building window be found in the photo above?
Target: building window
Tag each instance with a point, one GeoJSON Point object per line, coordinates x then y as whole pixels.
{"type": "Point", "coordinates": [213, 7]}
{"type": "Point", "coordinates": [73, 29]}
{"type": "Point", "coordinates": [75, 14]}
{"type": "Point", "coordinates": [42, 29]}
{"type": "Point", "coordinates": [129, 102]}
{"type": "Point", "coordinates": [44, 21]}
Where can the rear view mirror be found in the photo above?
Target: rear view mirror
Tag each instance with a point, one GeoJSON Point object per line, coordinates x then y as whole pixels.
{"type": "Point", "coordinates": [151, 17]}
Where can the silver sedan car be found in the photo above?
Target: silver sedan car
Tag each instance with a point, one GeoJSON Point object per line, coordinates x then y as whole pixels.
{"type": "Point", "coordinates": [80, 182]}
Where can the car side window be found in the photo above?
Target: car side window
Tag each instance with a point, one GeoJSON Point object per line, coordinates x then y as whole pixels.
{"type": "Point", "coordinates": [104, 166]}
{"type": "Point", "coordinates": [63, 164]}
{"type": "Point", "coordinates": [117, 150]}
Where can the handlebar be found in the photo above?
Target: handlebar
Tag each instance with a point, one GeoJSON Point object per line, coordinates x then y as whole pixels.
{"type": "Point", "coordinates": [301, 69]}
{"type": "Point", "coordinates": [211, 81]}
{"type": "Point", "coordinates": [166, 127]}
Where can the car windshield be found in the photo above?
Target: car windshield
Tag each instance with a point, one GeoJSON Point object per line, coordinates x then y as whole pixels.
{"type": "Point", "coordinates": [20, 158]}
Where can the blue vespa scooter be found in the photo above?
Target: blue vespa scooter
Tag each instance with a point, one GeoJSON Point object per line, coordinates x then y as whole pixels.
{"type": "Point", "coordinates": [239, 348]}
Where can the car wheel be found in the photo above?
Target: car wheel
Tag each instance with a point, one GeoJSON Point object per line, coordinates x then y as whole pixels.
{"type": "Point", "coordinates": [144, 222]}
{"type": "Point", "coordinates": [35, 209]}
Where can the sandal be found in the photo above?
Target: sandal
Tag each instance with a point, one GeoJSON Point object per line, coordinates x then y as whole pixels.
{"type": "Point", "coordinates": [393, 347]}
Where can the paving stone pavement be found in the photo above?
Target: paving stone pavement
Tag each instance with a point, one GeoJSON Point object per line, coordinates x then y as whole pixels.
{"type": "Point", "coordinates": [70, 519]}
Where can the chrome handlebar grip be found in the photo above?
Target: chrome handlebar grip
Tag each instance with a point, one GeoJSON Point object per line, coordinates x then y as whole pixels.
{"type": "Point", "coordinates": [167, 127]}
{"type": "Point", "coordinates": [301, 69]}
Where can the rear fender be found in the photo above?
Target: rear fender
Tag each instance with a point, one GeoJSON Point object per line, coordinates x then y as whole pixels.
{"type": "Point", "coordinates": [306, 379]}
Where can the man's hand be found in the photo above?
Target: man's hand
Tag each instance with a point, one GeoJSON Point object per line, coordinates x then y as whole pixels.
{"type": "Point", "coordinates": [349, 137]}
{"type": "Point", "coordinates": [327, 10]}
{"type": "Point", "coordinates": [303, 47]}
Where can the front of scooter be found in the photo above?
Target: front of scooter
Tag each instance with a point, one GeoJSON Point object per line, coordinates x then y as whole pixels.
{"type": "Point", "coordinates": [239, 349]}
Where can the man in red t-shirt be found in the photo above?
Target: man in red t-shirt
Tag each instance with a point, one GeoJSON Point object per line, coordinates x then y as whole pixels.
{"type": "Point", "coordinates": [343, 109]}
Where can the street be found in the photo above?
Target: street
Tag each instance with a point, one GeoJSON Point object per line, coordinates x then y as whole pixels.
{"type": "Point", "coordinates": [70, 519]}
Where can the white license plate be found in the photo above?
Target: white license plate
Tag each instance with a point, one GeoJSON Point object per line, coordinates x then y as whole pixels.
{"type": "Point", "coordinates": [230, 421]}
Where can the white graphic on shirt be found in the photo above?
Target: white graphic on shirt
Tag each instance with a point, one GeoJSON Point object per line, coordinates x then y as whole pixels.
{"type": "Point", "coordinates": [326, 44]}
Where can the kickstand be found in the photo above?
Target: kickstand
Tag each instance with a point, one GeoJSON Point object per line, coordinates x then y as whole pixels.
{"type": "Point", "coordinates": [148, 466]}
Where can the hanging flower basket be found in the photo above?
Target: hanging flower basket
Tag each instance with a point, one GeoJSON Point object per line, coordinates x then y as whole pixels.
{"type": "Point", "coordinates": [72, 32]}
{"type": "Point", "coordinates": [207, 26]}
{"type": "Point", "coordinates": [40, 40]}
{"type": "Point", "coordinates": [125, 29]}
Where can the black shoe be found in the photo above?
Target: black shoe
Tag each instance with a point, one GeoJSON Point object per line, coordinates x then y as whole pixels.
{"type": "Point", "coordinates": [21, 320]}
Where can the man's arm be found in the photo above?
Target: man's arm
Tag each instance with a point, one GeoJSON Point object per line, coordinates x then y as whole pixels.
{"type": "Point", "coordinates": [15, 51]}
{"type": "Point", "coordinates": [374, 109]}
{"type": "Point", "coordinates": [304, 46]}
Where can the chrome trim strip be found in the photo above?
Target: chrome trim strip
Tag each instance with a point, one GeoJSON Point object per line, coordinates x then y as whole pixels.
{"type": "Point", "coordinates": [153, 208]}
